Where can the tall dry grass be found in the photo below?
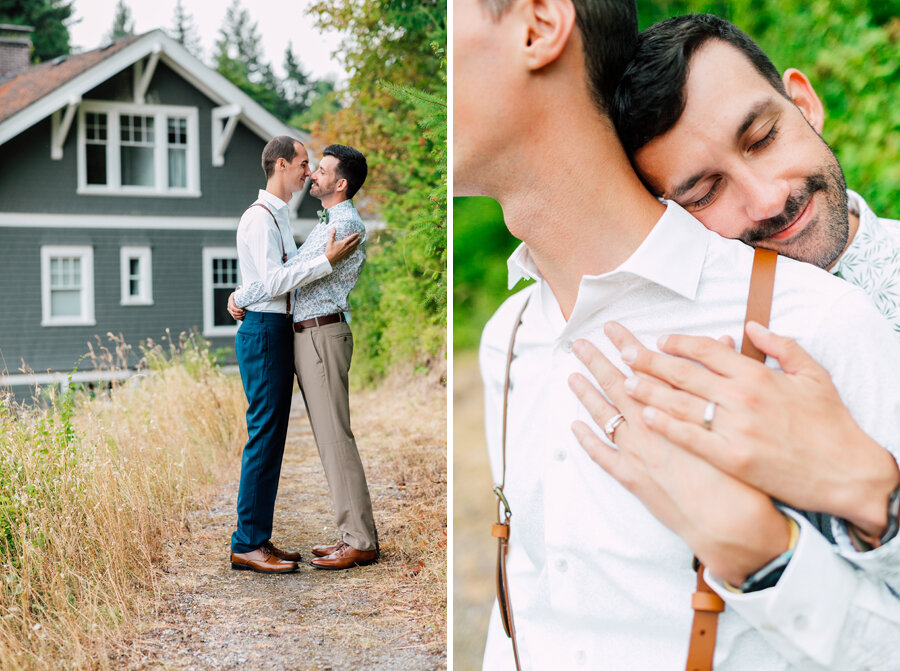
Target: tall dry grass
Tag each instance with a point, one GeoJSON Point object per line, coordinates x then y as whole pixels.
{"type": "Point", "coordinates": [90, 491]}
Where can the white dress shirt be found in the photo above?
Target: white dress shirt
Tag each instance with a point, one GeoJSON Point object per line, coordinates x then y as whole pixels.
{"type": "Point", "coordinates": [259, 246]}
{"type": "Point", "coordinates": [596, 582]}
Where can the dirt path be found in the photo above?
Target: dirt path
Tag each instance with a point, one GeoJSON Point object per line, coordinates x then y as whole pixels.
{"type": "Point", "coordinates": [389, 616]}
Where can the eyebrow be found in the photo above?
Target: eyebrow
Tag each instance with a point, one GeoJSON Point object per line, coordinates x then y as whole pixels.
{"type": "Point", "coordinates": [752, 115]}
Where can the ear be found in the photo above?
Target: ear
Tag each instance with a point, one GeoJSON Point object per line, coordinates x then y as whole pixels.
{"type": "Point", "coordinates": [549, 25]}
{"type": "Point", "coordinates": [340, 185]}
{"type": "Point", "coordinates": [804, 96]}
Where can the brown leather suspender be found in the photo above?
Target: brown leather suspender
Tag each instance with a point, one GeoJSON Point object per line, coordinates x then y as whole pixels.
{"type": "Point", "coordinates": [500, 530]}
{"type": "Point", "coordinates": [706, 604]}
{"type": "Point", "coordinates": [284, 256]}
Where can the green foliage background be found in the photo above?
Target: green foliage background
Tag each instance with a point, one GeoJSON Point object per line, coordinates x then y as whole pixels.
{"type": "Point", "coordinates": [394, 109]}
{"type": "Point", "coordinates": [850, 50]}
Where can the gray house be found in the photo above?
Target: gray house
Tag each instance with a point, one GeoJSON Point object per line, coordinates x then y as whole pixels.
{"type": "Point", "coordinates": [123, 174]}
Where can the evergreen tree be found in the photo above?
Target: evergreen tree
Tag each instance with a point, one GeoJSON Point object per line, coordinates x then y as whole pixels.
{"type": "Point", "coordinates": [48, 18]}
{"type": "Point", "coordinates": [238, 57]}
{"type": "Point", "coordinates": [184, 31]}
{"type": "Point", "coordinates": [123, 23]}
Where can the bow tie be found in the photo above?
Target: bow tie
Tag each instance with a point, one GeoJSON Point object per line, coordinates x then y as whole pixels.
{"type": "Point", "coordinates": [323, 216]}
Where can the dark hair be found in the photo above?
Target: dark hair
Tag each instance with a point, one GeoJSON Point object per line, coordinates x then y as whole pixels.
{"type": "Point", "coordinates": [609, 33]}
{"type": "Point", "coordinates": [276, 148]}
{"type": "Point", "coordinates": [351, 166]}
{"type": "Point", "coordinates": [650, 97]}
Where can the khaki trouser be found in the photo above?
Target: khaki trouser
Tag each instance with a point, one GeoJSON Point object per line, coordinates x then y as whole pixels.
{"type": "Point", "coordinates": [322, 361]}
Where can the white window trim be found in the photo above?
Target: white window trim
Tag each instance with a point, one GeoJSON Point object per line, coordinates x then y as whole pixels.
{"type": "Point", "coordinates": [145, 278]}
{"type": "Point", "coordinates": [113, 187]}
{"type": "Point", "coordinates": [86, 254]}
{"type": "Point", "coordinates": [210, 253]}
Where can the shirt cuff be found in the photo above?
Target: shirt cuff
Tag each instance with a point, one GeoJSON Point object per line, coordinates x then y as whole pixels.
{"type": "Point", "coordinates": [799, 616]}
{"type": "Point", "coordinates": [321, 266]}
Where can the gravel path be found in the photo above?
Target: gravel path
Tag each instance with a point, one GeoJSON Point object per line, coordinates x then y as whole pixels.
{"type": "Point", "coordinates": [211, 617]}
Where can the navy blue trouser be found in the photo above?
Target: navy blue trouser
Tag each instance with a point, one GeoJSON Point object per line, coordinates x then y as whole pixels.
{"type": "Point", "coordinates": [265, 352]}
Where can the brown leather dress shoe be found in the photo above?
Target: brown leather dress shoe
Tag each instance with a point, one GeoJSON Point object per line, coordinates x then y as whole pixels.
{"type": "Point", "coordinates": [261, 560]}
{"type": "Point", "coordinates": [283, 555]}
{"type": "Point", "coordinates": [325, 550]}
{"type": "Point", "coordinates": [346, 556]}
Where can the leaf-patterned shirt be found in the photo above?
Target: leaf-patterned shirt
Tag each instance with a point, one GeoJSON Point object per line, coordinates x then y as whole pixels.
{"type": "Point", "coordinates": [327, 295]}
{"type": "Point", "coordinates": [872, 260]}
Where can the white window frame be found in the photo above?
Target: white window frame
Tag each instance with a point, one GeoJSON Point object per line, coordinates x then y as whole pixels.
{"type": "Point", "coordinates": [145, 276]}
{"type": "Point", "coordinates": [160, 113]}
{"type": "Point", "coordinates": [210, 253]}
{"type": "Point", "coordinates": [86, 254]}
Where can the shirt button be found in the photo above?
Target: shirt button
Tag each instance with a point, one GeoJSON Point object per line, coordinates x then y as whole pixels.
{"type": "Point", "coordinates": [560, 455]}
{"type": "Point", "coordinates": [580, 657]}
{"type": "Point", "coordinates": [566, 346]}
{"type": "Point", "coordinates": [801, 622]}
{"type": "Point", "coordinates": [562, 565]}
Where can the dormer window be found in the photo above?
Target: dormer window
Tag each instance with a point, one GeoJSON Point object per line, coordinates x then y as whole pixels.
{"type": "Point", "coordinates": [126, 149]}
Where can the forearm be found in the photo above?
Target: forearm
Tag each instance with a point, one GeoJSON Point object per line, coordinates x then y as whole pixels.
{"type": "Point", "coordinates": [254, 292]}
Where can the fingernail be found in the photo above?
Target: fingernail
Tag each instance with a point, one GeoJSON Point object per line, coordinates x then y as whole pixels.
{"type": "Point", "coordinates": [629, 354]}
{"type": "Point", "coordinates": [630, 384]}
{"type": "Point", "coordinates": [756, 326]}
{"type": "Point", "coordinates": [649, 413]}
{"type": "Point", "coordinates": [662, 341]}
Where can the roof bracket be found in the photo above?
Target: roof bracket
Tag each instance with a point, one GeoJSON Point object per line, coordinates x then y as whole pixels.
{"type": "Point", "coordinates": [224, 121]}
{"type": "Point", "coordinates": [59, 128]}
{"type": "Point", "coordinates": [143, 74]}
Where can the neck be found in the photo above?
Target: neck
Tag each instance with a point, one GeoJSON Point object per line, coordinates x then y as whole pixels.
{"type": "Point", "coordinates": [333, 199]}
{"type": "Point", "coordinates": [853, 228]}
{"type": "Point", "coordinates": [276, 188]}
{"type": "Point", "coordinates": [585, 212]}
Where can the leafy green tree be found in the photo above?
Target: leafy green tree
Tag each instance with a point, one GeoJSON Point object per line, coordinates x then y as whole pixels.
{"type": "Point", "coordinates": [395, 112]}
{"type": "Point", "coordinates": [49, 19]}
{"type": "Point", "coordinates": [184, 30]}
{"type": "Point", "coordinates": [123, 23]}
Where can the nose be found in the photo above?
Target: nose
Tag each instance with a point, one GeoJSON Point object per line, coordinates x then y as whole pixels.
{"type": "Point", "coordinates": [765, 195]}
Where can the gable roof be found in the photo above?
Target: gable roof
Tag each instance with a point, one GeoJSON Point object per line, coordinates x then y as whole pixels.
{"type": "Point", "coordinates": [39, 80]}
{"type": "Point", "coordinates": [45, 88]}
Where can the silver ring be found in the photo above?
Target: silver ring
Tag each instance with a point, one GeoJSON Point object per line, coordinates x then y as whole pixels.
{"type": "Point", "coordinates": [708, 415]}
{"type": "Point", "coordinates": [612, 424]}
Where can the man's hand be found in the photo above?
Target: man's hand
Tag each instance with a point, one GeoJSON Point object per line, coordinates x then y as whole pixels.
{"type": "Point", "coordinates": [336, 251]}
{"type": "Point", "coordinates": [785, 433]}
{"type": "Point", "coordinates": [234, 310]}
{"type": "Point", "coordinates": [731, 527]}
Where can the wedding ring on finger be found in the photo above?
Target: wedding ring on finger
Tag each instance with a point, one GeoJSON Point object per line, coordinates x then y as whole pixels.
{"type": "Point", "coordinates": [612, 424]}
{"type": "Point", "coordinates": [708, 415]}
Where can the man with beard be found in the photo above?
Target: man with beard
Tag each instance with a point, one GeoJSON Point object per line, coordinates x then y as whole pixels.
{"type": "Point", "coordinates": [263, 342]}
{"type": "Point", "coordinates": [323, 347]}
{"type": "Point", "coordinates": [600, 559]}
{"type": "Point", "coordinates": [708, 123]}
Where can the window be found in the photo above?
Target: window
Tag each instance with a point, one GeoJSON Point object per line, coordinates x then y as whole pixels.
{"type": "Point", "coordinates": [67, 286]}
{"type": "Point", "coordinates": [137, 276]}
{"type": "Point", "coordinates": [133, 150]}
{"type": "Point", "coordinates": [221, 276]}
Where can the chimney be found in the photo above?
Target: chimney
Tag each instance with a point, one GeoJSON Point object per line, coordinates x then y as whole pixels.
{"type": "Point", "coordinates": [15, 49]}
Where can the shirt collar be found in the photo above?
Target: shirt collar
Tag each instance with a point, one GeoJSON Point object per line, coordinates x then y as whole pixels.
{"type": "Point", "coordinates": [271, 199]}
{"type": "Point", "coordinates": [856, 205]}
{"type": "Point", "coordinates": [343, 205]}
{"type": "Point", "coordinates": [672, 256]}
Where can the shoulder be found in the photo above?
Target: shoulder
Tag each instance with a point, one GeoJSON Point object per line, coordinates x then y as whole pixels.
{"type": "Point", "coordinates": [253, 217]}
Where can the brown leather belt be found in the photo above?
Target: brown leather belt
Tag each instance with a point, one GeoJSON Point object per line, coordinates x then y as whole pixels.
{"type": "Point", "coordinates": [319, 321]}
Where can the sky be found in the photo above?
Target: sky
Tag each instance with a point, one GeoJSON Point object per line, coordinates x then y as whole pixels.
{"type": "Point", "coordinates": [278, 21]}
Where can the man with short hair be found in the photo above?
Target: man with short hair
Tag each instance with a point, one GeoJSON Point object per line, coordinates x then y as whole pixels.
{"type": "Point", "coordinates": [323, 347]}
{"type": "Point", "coordinates": [600, 560]}
{"type": "Point", "coordinates": [710, 124]}
{"type": "Point", "coordinates": [264, 343]}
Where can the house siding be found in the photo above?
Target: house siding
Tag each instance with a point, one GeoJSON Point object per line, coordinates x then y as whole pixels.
{"type": "Point", "coordinates": [31, 182]}
{"type": "Point", "coordinates": [177, 266]}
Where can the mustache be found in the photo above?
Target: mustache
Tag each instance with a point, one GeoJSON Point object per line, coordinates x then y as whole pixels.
{"type": "Point", "coordinates": [792, 208]}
